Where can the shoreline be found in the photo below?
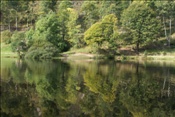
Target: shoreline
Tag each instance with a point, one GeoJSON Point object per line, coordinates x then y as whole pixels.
{"type": "Point", "coordinates": [116, 57]}
{"type": "Point", "coordinates": [85, 56]}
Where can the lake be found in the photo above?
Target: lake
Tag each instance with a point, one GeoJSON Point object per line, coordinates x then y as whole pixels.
{"type": "Point", "coordinates": [86, 88]}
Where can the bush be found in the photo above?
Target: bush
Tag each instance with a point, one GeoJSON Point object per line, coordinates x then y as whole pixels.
{"type": "Point", "coordinates": [46, 51]}
{"type": "Point", "coordinates": [29, 37]}
{"type": "Point", "coordinates": [18, 41]}
{"type": "Point", "coordinates": [123, 57]}
{"type": "Point", "coordinates": [145, 53]}
{"type": "Point", "coordinates": [6, 36]}
{"type": "Point", "coordinates": [164, 53]}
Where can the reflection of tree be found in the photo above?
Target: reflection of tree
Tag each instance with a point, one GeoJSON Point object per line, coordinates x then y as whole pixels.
{"type": "Point", "coordinates": [51, 88]}
{"type": "Point", "coordinates": [74, 85]}
{"type": "Point", "coordinates": [16, 102]}
{"type": "Point", "coordinates": [142, 97]}
{"type": "Point", "coordinates": [17, 71]}
{"type": "Point", "coordinates": [105, 85]}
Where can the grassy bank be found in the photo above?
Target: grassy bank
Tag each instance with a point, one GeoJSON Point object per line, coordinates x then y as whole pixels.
{"type": "Point", "coordinates": [6, 51]}
{"type": "Point", "coordinates": [87, 53]}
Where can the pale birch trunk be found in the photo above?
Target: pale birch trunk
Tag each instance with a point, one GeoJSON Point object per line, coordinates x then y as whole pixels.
{"type": "Point", "coordinates": [166, 36]}
{"type": "Point", "coordinates": [16, 23]}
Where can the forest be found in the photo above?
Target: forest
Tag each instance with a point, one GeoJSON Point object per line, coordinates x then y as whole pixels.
{"type": "Point", "coordinates": [45, 29]}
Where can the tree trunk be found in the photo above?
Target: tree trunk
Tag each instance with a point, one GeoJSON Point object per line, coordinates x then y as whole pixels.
{"type": "Point", "coordinates": [137, 74]}
{"type": "Point", "coordinates": [174, 24]}
{"type": "Point", "coordinates": [16, 23]}
{"type": "Point", "coordinates": [27, 23]}
{"type": "Point", "coordinates": [165, 30]}
{"type": "Point", "coordinates": [9, 27]}
{"type": "Point", "coordinates": [9, 24]}
{"type": "Point", "coordinates": [169, 44]}
{"type": "Point", "coordinates": [138, 42]}
{"type": "Point", "coordinates": [137, 47]}
{"type": "Point", "coordinates": [170, 25]}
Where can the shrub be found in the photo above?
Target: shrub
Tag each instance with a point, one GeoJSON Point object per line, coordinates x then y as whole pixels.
{"type": "Point", "coordinates": [145, 53]}
{"type": "Point", "coordinates": [123, 57]}
{"type": "Point", "coordinates": [6, 36]}
{"type": "Point", "coordinates": [164, 53]}
{"type": "Point", "coordinates": [46, 51]}
{"type": "Point", "coordinates": [18, 42]}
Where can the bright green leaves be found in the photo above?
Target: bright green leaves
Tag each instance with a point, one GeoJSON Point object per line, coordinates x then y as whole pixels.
{"type": "Point", "coordinates": [74, 29]}
{"type": "Point", "coordinates": [47, 38]}
{"type": "Point", "coordinates": [102, 31]}
{"type": "Point", "coordinates": [48, 29]}
{"type": "Point", "coordinates": [6, 36]}
{"type": "Point", "coordinates": [94, 34]}
{"type": "Point", "coordinates": [18, 43]}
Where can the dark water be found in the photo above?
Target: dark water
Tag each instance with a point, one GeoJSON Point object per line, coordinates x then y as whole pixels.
{"type": "Point", "coordinates": [87, 89]}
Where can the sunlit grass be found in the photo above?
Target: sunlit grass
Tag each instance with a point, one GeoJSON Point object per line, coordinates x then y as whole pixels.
{"type": "Point", "coordinates": [6, 51]}
{"type": "Point", "coordinates": [86, 49]}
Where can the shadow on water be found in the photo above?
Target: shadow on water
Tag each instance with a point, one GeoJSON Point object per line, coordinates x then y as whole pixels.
{"type": "Point", "coordinates": [87, 88]}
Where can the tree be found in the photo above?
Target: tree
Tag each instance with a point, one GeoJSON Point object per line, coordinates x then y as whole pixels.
{"type": "Point", "coordinates": [90, 14]}
{"type": "Point", "coordinates": [106, 8]}
{"type": "Point", "coordinates": [48, 28]}
{"type": "Point", "coordinates": [63, 18]}
{"type": "Point", "coordinates": [102, 31]}
{"type": "Point", "coordinates": [120, 6]}
{"type": "Point", "coordinates": [166, 11]}
{"type": "Point", "coordinates": [6, 36]}
{"type": "Point", "coordinates": [141, 21]}
{"type": "Point", "coordinates": [48, 5]}
{"type": "Point", "coordinates": [47, 38]}
{"type": "Point", "coordinates": [18, 43]}
{"type": "Point", "coordinates": [74, 29]}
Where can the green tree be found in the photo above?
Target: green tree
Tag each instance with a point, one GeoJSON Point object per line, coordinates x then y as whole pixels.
{"type": "Point", "coordinates": [120, 6]}
{"type": "Point", "coordinates": [102, 31]}
{"type": "Point", "coordinates": [63, 18]}
{"type": "Point", "coordinates": [89, 14]}
{"type": "Point", "coordinates": [106, 8]}
{"type": "Point", "coordinates": [48, 5]}
{"type": "Point", "coordinates": [29, 37]}
{"type": "Point", "coordinates": [48, 29]}
{"type": "Point", "coordinates": [141, 21]}
{"type": "Point", "coordinates": [74, 29]}
{"type": "Point", "coordinates": [6, 36]}
{"type": "Point", "coordinates": [166, 11]}
{"type": "Point", "coordinates": [46, 39]}
{"type": "Point", "coordinates": [18, 43]}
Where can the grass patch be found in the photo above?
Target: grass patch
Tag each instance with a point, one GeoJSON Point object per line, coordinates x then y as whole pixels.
{"type": "Point", "coordinates": [86, 49]}
{"type": "Point", "coordinates": [6, 51]}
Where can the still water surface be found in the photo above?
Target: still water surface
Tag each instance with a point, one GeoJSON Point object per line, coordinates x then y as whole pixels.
{"type": "Point", "coordinates": [87, 89]}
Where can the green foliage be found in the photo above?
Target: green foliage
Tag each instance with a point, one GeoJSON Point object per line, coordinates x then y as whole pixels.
{"type": "Point", "coordinates": [45, 51]}
{"type": "Point", "coordinates": [64, 5]}
{"type": "Point", "coordinates": [29, 37]}
{"type": "Point", "coordinates": [164, 53]}
{"type": "Point", "coordinates": [48, 5]}
{"type": "Point", "coordinates": [63, 18]}
{"type": "Point", "coordinates": [90, 14]}
{"type": "Point", "coordinates": [48, 29]}
{"type": "Point", "coordinates": [6, 36]}
{"type": "Point", "coordinates": [74, 30]}
{"type": "Point", "coordinates": [18, 41]}
{"type": "Point", "coordinates": [73, 24]}
{"type": "Point", "coordinates": [145, 53]}
{"type": "Point", "coordinates": [103, 31]}
{"type": "Point", "coordinates": [141, 21]}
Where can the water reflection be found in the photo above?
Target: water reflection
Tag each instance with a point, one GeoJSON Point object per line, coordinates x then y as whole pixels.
{"type": "Point", "coordinates": [87, 88]}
